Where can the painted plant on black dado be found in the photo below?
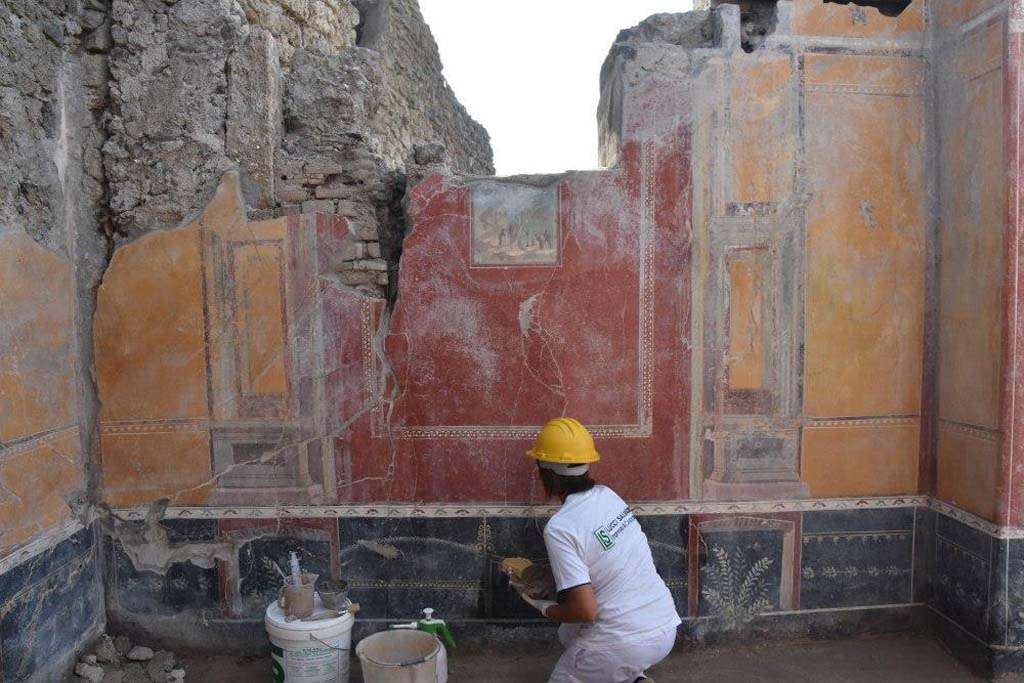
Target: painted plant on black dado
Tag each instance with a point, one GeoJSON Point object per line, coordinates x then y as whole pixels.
{"type": "Point", "coordinates": [736, 596]}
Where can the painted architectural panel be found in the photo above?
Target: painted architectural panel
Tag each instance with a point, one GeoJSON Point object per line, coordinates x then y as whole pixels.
{"type": "Point", "coordinates": [40, 448]}
{"type": "Point", "coordinates": [523, 328]}
{"type": "Point", "coordinates": [749, 336]}
{"type": "Point", "coordinates": [37, 375]}
{"type": "Point", "coordinates": [35, 483]}
{"type": "Point", "coordinates": [222, 397]}
{"type": "Point", "coordinates": [259, 304]}
{"type": "Point", "coordinates": [872, 457]}
{"type": "Point", "coordinates": [967, 469]}
{"type": "Point", "coordinates": [762, 111]}
{"type": "Point", "coordinates": [149, 331]}
{"type": "Point", "coordinates": [954, 13]}
{"type": "Point", "coordinates": [479, 358]}
{"type": "Point", "coordinates": [972, 233]}
{"type": "Point", "coordinates": [865, 236]}
{"type": "Point", "coordinates": [853, 20]}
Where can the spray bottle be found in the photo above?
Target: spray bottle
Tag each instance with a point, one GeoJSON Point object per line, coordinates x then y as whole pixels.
{"type": "Point", "coordinates": [437, 627]}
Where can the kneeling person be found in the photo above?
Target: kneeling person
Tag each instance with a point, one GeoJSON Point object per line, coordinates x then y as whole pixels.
{"type": "Point", "coordinates": [618, 617]}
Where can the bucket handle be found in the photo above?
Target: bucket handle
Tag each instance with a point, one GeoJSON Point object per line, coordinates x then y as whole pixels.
{"type": "Point", "coordinates": [312, 636]}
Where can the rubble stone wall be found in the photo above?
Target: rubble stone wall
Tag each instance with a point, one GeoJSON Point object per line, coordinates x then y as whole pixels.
{"type": "Point", "coordinates": [415, 104]}
{"type": "Point", "coordinates": [281, 91]}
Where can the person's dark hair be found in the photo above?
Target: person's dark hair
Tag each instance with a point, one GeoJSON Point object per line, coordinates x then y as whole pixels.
{"type": "Point", "coordinates": [562, 485]}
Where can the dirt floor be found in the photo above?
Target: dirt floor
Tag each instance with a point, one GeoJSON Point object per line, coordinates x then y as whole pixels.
{"type": "Point", "coordinates": [891, 658]}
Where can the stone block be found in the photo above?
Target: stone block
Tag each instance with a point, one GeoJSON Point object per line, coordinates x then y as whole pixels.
{"type": "Point", "coordinates": [364, 229]}
{"type": "Point", "coordinates": [335, 192]}
{"type": "Point", "coordinates": [290, 194]}
{"type": "Point", "coordinates": [347, 207]}
{"type": "Point", "coordinates": [318, 206]}
{"type": "Point", "coordinates": [357, 277]}
{"type": "Point", "coordinates": [254, 115]}
{"type": "Point", "coordinates": [323, 168]}
{"type": "Point", "coordinates": [370, 264]}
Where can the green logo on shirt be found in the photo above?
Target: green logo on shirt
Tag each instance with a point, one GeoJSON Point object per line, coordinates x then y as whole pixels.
{"type": "Point", "coordinates": [604, 539]}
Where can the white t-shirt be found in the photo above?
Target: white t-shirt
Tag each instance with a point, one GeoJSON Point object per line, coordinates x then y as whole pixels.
{"type": "Point", "coordinates": [594, 538]}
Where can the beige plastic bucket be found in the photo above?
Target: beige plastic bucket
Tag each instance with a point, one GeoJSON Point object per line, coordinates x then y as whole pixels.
{"type": "Point", "coordinates": [309, 651]}
{"type": "Point", "coordinates": [401, 656]}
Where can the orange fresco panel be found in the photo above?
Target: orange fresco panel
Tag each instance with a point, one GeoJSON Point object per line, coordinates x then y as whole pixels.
{"type": "Point", "coordinates": [950, 13]}
{"type": "Point", "coordinates": [259, 310]}
{"type": "Point", "coordinates": [149, 330]}
{"type": "Point", "coordinates": [225, 212]}
{"type": "Point", "coordinates": [863, 73]}
{"type": "Point", "coordinates": [247, 331]}
{"type": "Point", "coordinates": [973, 230]}
{"type": "Point", "coordinates": [865, 251]}
{"type": "Point", "coordinates": [872, 460]}
{"type": "Point", "coordinates": [967, 467]}
{"type": "Point", "coordinates": [33, 487]}
{"type": "Point", "coordinates": [980, 52]}
{"type": "Point", "coordinates": [817, 18]}
{"type": "Point", "coordinates": [140, 468]}
{"type": "Point", "coordinates": [37, 373]}
{"type": "Point", "coordinates": [763, 138]}
{"type": "Point", "coordinates": [745, 361]}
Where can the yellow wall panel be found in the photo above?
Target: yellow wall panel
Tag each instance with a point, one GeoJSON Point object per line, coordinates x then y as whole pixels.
{"type": "Point", "coordinates": [950, 13]}
{"type": "Point", "coordinates": [865, 239]}
{"type": "Point", "coordinates": [762, 132]}
{"type": "Point", "coordinates": [973, 228]}
{"type": "Point", "coordinates": [746, 353]}
{"type": "Point", "coordinates": [37, 373]}
{"type": "Point", "coordinates": [259, 312]}
{"type": "Point", "coordinates": [34, 485]}
{"type": "Point", "coordinates": [871, 460]}
{"type": "Point", "coordinates": [139, 468]}
{"type": "Point", "coordinates": [817, 18]}
{"type": "Point", "coordinates": [149, 335]}
{"type": "Point", "coordinates": [966, 472]}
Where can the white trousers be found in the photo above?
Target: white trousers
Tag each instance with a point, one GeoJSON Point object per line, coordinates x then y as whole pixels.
{"type": "Point", "coordinates": [619, 664]}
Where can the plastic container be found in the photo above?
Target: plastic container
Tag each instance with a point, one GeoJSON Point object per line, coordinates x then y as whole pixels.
{"type": "Point", "coordinates": [428, 624]}
{"type": "Point", "coordinates": [309, 651]}
{"type": "Point", "coordinates": [402, 656]}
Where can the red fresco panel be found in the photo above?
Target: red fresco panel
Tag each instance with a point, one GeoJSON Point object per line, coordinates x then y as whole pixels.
{"type": "Point", "coordinates": [1010, 483]}
{"type": "Point", "coordinates": [478, 356]}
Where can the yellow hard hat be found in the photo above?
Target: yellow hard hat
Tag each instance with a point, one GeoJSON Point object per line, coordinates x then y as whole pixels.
{"type": "Point", "coordinates": [564, 441]}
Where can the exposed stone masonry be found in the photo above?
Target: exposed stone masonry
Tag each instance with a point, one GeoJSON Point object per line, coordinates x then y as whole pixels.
{"type": "Point", "coordinates": [280, 90]}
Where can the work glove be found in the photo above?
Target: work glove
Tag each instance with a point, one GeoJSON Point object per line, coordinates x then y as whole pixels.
{"type": "Point", "coordinates": [539, 605]}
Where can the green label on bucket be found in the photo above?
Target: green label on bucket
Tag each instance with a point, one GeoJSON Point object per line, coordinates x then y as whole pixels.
{"type": "Point", "coordinates": [300, 663]}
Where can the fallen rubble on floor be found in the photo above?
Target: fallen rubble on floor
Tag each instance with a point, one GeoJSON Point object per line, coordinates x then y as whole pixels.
{"type": "Point", "coordinates": [116, 660]}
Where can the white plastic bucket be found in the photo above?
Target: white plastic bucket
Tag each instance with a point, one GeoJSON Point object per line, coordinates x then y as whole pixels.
{"type": "Point", "coordinates": [402, 656]}
{"type": "Point", "coordinates": [309, 651]}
